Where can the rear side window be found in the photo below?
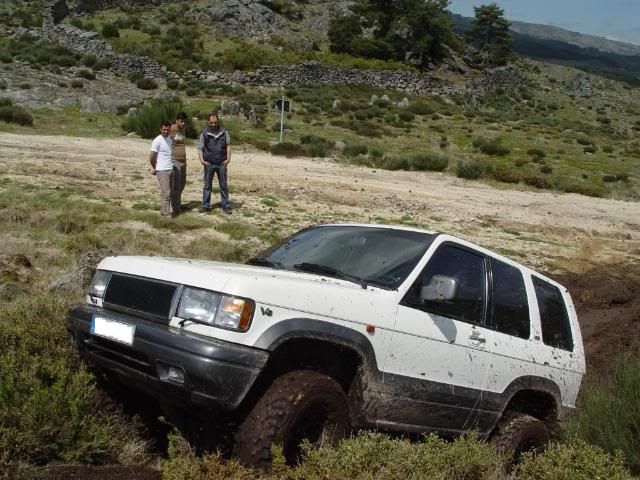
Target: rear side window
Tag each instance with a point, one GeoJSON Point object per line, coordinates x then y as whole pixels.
{"type": "Point", "coordinates": [556, 330]}
{"type": "Point", "coordinates": [510, 307]}
{"type": "Point", "coordinates": [468, 270]}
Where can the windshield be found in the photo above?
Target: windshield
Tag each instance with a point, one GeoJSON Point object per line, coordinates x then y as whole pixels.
{"type": "Point", "coordinates": [366, 255]}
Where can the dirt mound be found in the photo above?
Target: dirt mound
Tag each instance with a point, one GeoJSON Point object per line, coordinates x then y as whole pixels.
{"type": "Point", "coordinates": [607, 299]}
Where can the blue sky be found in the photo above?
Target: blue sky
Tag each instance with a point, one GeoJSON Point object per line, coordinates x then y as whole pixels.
{"type": "Point", "coordinates": [615, 19]}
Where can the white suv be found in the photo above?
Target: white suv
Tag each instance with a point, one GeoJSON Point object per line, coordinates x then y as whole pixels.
{"type": "Point", "coordinates": [342, 327]}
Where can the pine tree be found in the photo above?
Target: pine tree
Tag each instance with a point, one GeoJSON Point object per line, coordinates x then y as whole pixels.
{"type": "Point", "coordinates": [490, 33]}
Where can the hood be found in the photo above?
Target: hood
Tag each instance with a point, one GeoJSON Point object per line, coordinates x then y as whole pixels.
{"type": "Point", "coordinates": [303, 292]}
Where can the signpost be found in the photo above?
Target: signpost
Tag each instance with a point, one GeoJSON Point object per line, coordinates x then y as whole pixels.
{"type": "Point", "coordinates": [283, 105]}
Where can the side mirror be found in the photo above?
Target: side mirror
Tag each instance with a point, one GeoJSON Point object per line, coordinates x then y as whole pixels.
{"type": "Point", "coordinates": [439, 289]}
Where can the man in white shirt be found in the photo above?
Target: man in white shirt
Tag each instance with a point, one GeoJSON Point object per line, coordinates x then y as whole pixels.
{"type": "Point", "coordinates": [162, 166]}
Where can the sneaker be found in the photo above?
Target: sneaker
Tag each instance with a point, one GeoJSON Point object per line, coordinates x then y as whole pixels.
{"type": "Point", "coordinates": [227, 210]}
{"type": "Point", "coordinates": [205, 209]}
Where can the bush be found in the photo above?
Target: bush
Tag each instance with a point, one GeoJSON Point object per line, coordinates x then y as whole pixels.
{"type": "Point", "coordinates": [537, 153]}
{"type": "Point", "coordinates": [102, 64]}
{"type": "Point", "coordinates": [75, 83]}
{"type": "Point", "coordinates": [25, 86]}
{"type": "Point", "coordinates": [395, 162]}
{"type": "Point", "coordinates": [147, 122]}
{"type": "Point", "coordinates": [16, 114]}
{"type": "Point", "coordinates": [470, 169]}
{"type": "Point", "coordinates": [146, 83]}
{"type": "Point", "coordinates": [546, 169]}
{"type": "Point", "coordinates": [46, 410]}
{"type": "Point", "coordinates": [537, 181]}
{"type": "Point", "coordinates": [504, 173]}
{"type": "Point", "coordinates": [376, 153]}
{"type": "Point", "coordinates": [581, 188]}
{"type": "Point", "coordinates": [590, 149]}
{"type": "Point", "coordinates": [110, 30]}
{"type": "Point", "coordinates": [607, 149]}
{"type": "Point", "coordinates": [289, 150]}
{"type": "Point", "coordinates": [491, 146]}
{"type": "Point", "coordinates": [583, 140]}
{"type": "Point", "coordinates": [84, 73]}
{"type": "Point", "coordinates": [192, 91]}
{"type": "Point", "coordinates": [3, 85]}
{"type": "Point", "coordinates": [576, 460]}
{"type": "Point", "coordinates": [317, 149]}
{"type": "Point", "coordinates": [429, 161]}
{"type": "Point", "coordinates": [421, 108]}
{"type": "Point", "coordinates": [354, 149]}
{"type": "Point", "coordinates": [609, 410]}
{"type": "Point", "coordinates": [89, 60]}
{"type": "Point", "coordinates": [5, 102]}
{"type": "Point", "coordinates": [173, 84]}
{"type": "Point", "coordinates": [406, 116]}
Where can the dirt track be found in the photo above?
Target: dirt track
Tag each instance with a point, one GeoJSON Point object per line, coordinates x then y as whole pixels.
{"type": "Point", "coordinates": [591, 245]}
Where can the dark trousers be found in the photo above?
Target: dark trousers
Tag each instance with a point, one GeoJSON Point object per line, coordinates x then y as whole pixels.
{"type": "Point", "coordinates": [209, 171]}
{"type": "Point", "coordinates": [178, 184]}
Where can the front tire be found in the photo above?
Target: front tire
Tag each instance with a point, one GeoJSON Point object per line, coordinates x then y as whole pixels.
{"type": "Point", "coordinates": [518, 433]}
{"type": "Point", "coordinates": [300, 405]}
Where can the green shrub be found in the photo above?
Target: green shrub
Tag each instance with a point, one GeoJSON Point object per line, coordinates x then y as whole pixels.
{"type": "Point", "coordinates": [421, 108]}
{"type": "Point", "coordinates": [289, 150]}
{"type": "Point", "coordinates": [376, 153]}
{"type": "Point", "coordinates": [173, 83]}
{"type": "Point", "coordinates": [546, 169]}
{"type": "Point", "coordinates": [354, 149]}
{"type": "Point", "coordinates": [576, 460]}
{"type": "Point", "coordinates": [470, 169]}
{"type": "Point", "coordinates": [607, 149]}
{"type": "Point", "coordinates": [5, 57]}
{"type": "Point", "coordinates": [146, 84]}
{"type": "Point", "coordinates": [604, 120]}
{"type": "Point", "coordinates": [3, 85]}
{"type": "Point", "coordinates": [583, 140]}
{"type": "Point", "coordinates": [536, 181]}
{"type": "Point", "coordinates": [25, 86]}
{"type": "Point", "coordinates": [406, 116]}
{"type": "Point", "coordinates": [16, 114]}
{"type": "Point", "coordinates": [89, 60]}
{"type": "Point", "coordinates": [64, 60]}
{"type": "Point", "coordinates": [192, 91]}
{"type": "Point", "coordinates": [84, 73]}
{"type": "Point", "coordinates": [436, 162]}
{"type": "Point", "coordinates": [609, 410]}
{"type": "Point", "coordinates": [5, 102]}
{"type": "Point", "coordinates": [311, 139]}
{"type": "Point", "coordinates": [395, 162]}
{"type": "Point", "coordinates": [590, 149]}
{"type": "Point", "coordinates": [491, 146]}
{"type": "Point", "coordinates": [536, 153]}
{"type": "Point", "coordinates": [581, 188]}
{"type": "Point", "coordinates": [110, 30]}
{"type": "Point", "coordinates": [505, 174]}
{"type": "Point", "coordinates": [147, 122]}
{"type": "Point", "coordinates": [46, 412]}
{"type": "Point", "coordinates": [317, 149]}
{"type": "Point", "coordinates": [75, 83]}
{"type": "Point", "coordinates": [102, 64]}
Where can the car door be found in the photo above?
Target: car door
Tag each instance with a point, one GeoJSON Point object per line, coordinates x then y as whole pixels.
{"type": "Point", "coordinates": [440, 350]}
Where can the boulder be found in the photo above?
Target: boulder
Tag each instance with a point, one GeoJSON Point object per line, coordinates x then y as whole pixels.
{"type": "Point", "coordinates": [235, 18]}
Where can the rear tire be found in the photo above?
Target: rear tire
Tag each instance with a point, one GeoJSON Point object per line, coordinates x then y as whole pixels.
{"type": "Point", "coordinates": [518, 433]}
{"type": "Point", "coordinates": [300, 405]}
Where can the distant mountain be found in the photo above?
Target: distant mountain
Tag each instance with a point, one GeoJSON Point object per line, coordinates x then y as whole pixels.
{"type": "Point", "coordinates": [546, 32]}
{"type": "Point", "coordinates": [617, 60]}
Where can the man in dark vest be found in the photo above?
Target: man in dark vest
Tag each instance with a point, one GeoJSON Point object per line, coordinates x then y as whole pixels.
{"type": "Point", "coordinates": [214, 152]}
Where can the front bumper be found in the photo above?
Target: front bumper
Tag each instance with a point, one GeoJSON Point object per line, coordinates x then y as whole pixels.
{"type": "Point", "coordinates": [216, 373]}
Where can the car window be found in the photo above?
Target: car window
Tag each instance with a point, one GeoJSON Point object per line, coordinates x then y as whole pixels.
{"type": "Point", "coordinates": [468, 270]}
{"type": "Point", "coordinates": [554, 319]}
{"type": "Point", "coordinates": [509, 304]}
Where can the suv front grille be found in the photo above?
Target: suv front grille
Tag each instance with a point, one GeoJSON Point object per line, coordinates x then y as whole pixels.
{"type": "Point", "coordinates": [140, 295]}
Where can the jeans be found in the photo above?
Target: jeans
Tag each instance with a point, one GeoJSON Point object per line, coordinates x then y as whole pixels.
{"type": "Point", "coordinates": [209, 171]}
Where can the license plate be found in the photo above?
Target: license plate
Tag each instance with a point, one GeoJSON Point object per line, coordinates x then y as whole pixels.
{"type": "Point", "coordinates": [117, 331]}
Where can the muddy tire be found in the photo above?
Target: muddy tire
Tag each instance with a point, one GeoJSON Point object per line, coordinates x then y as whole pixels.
{"type": "Point", "coordinates": [518, 433]}
{"type": "Point", "coordinates": [300, 405]}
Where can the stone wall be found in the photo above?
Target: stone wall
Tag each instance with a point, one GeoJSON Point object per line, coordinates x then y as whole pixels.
{"type": "Point", "coordinates": [89, 6]}
{"type": "Point", "coordinates": [82, 42]}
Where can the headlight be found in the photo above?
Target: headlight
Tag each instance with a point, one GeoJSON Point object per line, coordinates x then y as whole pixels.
{"type": "Point", "coordinates": [99, 283]}
{"type": "Point", "coordinates": [215, 309]}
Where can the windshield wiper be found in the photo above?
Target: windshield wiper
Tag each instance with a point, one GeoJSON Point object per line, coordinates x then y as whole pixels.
{"type": "Point", "coordinates": [264, 262]}
{"type": "Point", "coordinates": [329, 272]}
